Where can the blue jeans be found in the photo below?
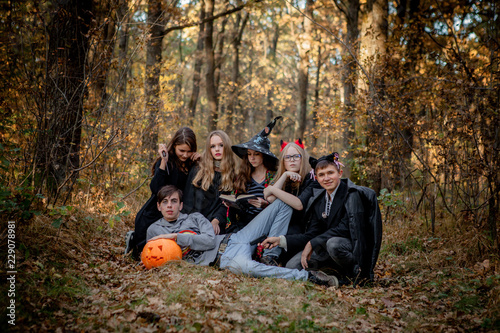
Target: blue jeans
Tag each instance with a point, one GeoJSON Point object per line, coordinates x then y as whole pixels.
{"type": "Point", "coordinates": [272, 221]}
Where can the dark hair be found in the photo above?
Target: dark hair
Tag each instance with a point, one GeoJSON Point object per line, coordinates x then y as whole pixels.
{"type": "Point", "coordinates": [167, 191]}
{"type": "Point", "coordinates": [245, 172]}
{"type": "Point", "coordinates": [184, 135]}
{"type": "Point", "coordinates": [324, 163]}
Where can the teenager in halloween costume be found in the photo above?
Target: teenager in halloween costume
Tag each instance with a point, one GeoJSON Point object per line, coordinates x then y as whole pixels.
{"type": "Point", "coordinates": [344, 228]}
{"type": "Point", "coordinates": [222, 250]}
{"type": "Point", "coordinates": [173, 225]}
{"type": "Point", "coordinates": [293, 185]}
{"type": "Point", "coordinates": [214, 175]}
{"type": "Point", "coordinates": [256, 172]}
{"type": "Point", "coordinates": [172, 166]}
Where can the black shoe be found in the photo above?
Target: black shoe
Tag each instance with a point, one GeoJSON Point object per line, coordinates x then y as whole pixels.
{"type": "Point", "coordinates": [129, 237]}
{"type": "Point", "coordinates": [323, 279]}
{"type": "Point", "coordinates": [269, 261]}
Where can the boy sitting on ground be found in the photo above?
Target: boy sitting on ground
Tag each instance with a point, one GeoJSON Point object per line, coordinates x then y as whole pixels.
{"type": "Point", "coordinates": [344, 228]}
{"type": "Point", "coordinates": [224, 250]}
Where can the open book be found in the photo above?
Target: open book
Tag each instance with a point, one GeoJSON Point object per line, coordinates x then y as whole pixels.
{"type": "Point", "coordinates": [235, 201]}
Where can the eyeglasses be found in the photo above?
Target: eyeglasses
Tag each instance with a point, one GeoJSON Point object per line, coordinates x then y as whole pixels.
{"type": "Point", "coordinates": [292, 157]}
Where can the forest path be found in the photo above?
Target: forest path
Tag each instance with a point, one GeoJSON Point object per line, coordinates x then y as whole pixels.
{"type": "Point", "coordinates": [419, 287]}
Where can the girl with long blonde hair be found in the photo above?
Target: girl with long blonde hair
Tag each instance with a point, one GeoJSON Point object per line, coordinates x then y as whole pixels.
{"type": "Point", "coordinates": [214, 175]}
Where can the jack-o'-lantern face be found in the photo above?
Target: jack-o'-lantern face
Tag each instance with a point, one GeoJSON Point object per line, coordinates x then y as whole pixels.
{"type": "Point", "coordinates": [159, 251]}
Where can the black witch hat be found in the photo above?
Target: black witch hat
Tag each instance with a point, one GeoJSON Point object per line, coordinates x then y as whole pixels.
{"type": "Point", "coordinates": [259, 142]}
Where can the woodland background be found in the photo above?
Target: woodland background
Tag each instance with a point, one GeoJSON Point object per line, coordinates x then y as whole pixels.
{"type": "Point", "coordinates": [407, 91]}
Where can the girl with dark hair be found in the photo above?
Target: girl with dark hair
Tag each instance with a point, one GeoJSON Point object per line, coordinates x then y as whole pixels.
{"type": "Point", "coordinates": [214, 175]}
{"type": "Point", "coordinates": [256, 172]}
{"type": "Point", "coordinates": [172, 166]}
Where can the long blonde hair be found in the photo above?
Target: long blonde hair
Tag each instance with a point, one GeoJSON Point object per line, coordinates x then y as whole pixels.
{"type": "Point", "coordinates": [206, 172]}
{"type": "Point", "coordinates": [305, 168]}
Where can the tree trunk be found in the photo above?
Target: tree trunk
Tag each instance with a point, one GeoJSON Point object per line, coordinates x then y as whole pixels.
{"type": "Point", "coordinates": [304, 46]}
{"type": "Point", "coordinates": [372, 55]}
{"type": "Point", "coordinates": [314, 137]}
{"type": "Point", "coordinates": [349, 71]}
{"type": "Point", "coordinates": [239, 26]}
{"type": "Point", "coordinates": [102, 53]}
{"type": "Point", "coordinates": [123, 68]}
{"type": "Point", "coordinates": [198, 63]}
{"type": "Point", "coordinates": [373, 39]}
{"type": "Point", "coordinates": [213, 102]}
{"type": "Point", "coordinates": [60, 123]}
{"type": "Point", "coordinates": [152, 84]}
{"type": "Point", "coordinates": [218, 53]}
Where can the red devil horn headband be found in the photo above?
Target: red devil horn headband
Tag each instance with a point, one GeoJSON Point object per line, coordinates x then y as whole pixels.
{"type": "Point", "coordinates": [298, 142]}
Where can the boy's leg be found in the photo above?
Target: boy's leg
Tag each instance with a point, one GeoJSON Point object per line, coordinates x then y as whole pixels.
{"type": "Point", "coordinates": [340, 250]}
{"type": "Point", "coordinates": [294, 262]}
{"type": "Point", "coordinates": [316, 261]}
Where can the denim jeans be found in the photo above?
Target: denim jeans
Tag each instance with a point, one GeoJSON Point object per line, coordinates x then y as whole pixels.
{"type": "Point", "coordinates": [272, 221]}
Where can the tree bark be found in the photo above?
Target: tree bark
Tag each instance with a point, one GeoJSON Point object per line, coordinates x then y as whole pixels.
{"type": "Point", "coordinates": [60, 123]}
{"type": "Point", "coordinates": [373, 39]}
{"type": "Point", "coordinates": [372, 56]}
{"type": "Point", "coordinates": [304, 46]}
{"type": "Point", "coordinates": [314, 137]}
{"type": "Point", "coordinates": [239, 26]}
{"type": "Point", "coordinates": [123, 69]}
{"type": "Point", "coordinates": [102, 53]}
{"type": "Point", "coordinates": [152, 83]}
{"type": "Point", "coordinates": [213, 101]}
{"type": "Point", "coordinates": [218, 53]}
{"type": "Point", "coordinates": [198, 63]}
{"type": "Point", "coordinates": [350, 9]}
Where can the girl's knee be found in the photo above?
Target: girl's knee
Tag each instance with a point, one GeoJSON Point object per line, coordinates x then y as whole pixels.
{"type": "Point", "coordinates": [237, 265]}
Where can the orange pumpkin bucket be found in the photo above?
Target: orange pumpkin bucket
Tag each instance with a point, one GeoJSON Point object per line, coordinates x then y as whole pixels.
{"type": "Point", "coordinates": [159, 251]}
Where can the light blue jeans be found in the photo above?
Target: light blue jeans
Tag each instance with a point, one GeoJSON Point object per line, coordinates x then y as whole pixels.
{"type": "Point", "coordinates": [272, 221]}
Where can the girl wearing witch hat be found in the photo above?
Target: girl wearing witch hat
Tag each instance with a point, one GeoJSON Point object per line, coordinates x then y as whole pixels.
{"type": "Point", "coordinates": [255, 174]}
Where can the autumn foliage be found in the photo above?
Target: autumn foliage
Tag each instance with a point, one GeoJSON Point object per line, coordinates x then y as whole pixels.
{"type": "Point", "coordinates": [407, 91]}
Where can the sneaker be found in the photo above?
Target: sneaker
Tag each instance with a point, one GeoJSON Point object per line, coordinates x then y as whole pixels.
{"type": "Point", "coordinates": [128, 241]}
{"type": "Point", "coordinates": [269, 261]}
{"type": "Point", "coordinates": [323, 279]}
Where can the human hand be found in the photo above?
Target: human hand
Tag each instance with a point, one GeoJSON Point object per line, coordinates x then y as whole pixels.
{"type": "Point", "coordinates": [195, 156]}
{"type": "Point", "coordinates": [306, 255]}
{"type": "Point", "coordinates": [215, 225]}
{"type": "Point", "coordinates": [258, 202]}
{"type": "Point", "coordinates": [166, 236]}
{"type": "Point", "coordinates": [294, 177]}
{"type": "Point", "coordinates": [162, 150]}
{"type": "Point", "coordinates": [270, 242]}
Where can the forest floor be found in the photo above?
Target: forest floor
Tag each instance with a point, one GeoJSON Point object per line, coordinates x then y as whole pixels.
{"type": "Point", "coordinates": [75, 278]}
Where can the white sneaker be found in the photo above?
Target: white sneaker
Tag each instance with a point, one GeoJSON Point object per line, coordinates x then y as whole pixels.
{"type": "Point", "coordinates": [128, 239]}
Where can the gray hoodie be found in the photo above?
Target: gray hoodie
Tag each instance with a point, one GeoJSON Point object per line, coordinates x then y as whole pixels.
{"type": "Point", "coordinates": [205, 242]}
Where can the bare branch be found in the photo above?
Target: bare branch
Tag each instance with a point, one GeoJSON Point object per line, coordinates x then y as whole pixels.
{"type": "Point", "coordinates": [211, 18]}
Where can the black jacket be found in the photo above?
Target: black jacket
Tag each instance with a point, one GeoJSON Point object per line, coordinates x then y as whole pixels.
{"type": "Point", "coordinates": [207, 202]}
{"type": "Point", "coordinates": [355, 214]}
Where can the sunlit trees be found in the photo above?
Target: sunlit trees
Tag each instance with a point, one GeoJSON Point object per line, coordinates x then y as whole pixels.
{"type": "Point", "coordinates": [407, 91]}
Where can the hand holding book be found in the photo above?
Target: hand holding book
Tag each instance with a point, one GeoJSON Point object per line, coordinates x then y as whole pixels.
{"type": "Point", "coordinates": [236, 201]}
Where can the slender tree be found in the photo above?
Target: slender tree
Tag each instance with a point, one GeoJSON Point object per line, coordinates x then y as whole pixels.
{"type": "Point", "coordinates": [304, 46]}
{"type": "Point", "coordinates": [198, 63]}
{"type": "Point", "coordinates": [213, 100]}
